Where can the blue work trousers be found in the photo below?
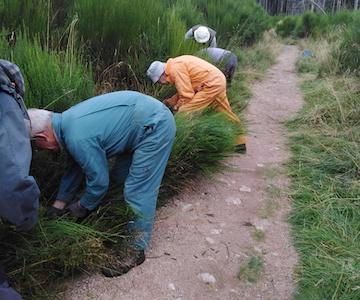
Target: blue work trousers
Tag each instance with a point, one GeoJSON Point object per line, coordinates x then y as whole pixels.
{"type": "Point", "coordinates": [141, 172]}
{"type": "Point", "coordinates": [8, 293]}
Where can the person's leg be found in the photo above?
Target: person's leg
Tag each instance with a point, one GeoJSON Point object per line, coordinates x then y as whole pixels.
{"type": "Point", "coordinates": [120, 169]}
{"type": "Point", "coordinates": [230, 67]}
{"type": "Point", "coordinates": [202, 99]}
{"type": "Point", "coordinates": [148, 164]}
{"type": "Point", "coordinates": [145, 175]}
{"type": "Point", "coordinates": [141, 190]}
{"type": "Point", "coordinates": [222, 104]}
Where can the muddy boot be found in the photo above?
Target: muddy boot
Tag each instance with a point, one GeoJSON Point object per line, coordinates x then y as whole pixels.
{"type": "Point", "coordinates": [76, 210]}
{"type": "Point", "coordinates": [122, 265]}
{"type": "Point", "coordinates": [240, 148]}
{"type": "Point", "coordinates": [53, 212]}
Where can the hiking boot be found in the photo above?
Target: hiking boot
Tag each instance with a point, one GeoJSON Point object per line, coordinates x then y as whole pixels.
{"type": "Point", "coordinates": [76, 210]}
{"type": "Point", "coordinates": [240, 148]}
{"type": "Point", "coordinates": [124, 264]}
{"type": "Point", "coordinates": [52, 212]}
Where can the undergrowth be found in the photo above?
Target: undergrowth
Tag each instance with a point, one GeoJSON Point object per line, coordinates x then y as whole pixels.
{"type": "Point", "coordinates": [325, 168]}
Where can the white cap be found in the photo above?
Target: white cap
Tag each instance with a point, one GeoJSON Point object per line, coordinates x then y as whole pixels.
{"type": "Point", "coordinates": [202, 34]}
{"type": "Point", "coordinates": [156, 69]}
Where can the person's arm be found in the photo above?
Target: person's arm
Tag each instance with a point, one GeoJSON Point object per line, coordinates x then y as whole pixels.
{"type": "Point", "coordinates": [183, 85]}
{"type": "Point", "coordinates": [172, 101]}
{"type": "Point", "coordinates": [91, 158]}
{"type": "Point", "coordinates": [189, 34]}
{"type": "Point", "coordinates": [213, 42]}
{"type": "Point", "coordinates": [19, 193]}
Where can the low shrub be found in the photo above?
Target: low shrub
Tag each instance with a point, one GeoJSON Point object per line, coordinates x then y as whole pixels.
{"type": "Point", "coordinates": [286, 27]}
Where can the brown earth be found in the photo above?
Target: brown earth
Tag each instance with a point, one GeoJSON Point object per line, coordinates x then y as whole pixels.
{"type": "Point", "coordinates": [203, 238]}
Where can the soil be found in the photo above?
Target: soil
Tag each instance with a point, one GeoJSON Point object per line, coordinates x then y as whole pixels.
{"type": "Point", "coordinates": [207, 234]}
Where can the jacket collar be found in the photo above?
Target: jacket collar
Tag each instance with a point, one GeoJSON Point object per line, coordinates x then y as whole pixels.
{"type": "Point", "coordinates": [56, 125]}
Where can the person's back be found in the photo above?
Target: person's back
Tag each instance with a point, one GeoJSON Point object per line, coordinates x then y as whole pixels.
{"type": "Point", "coordinates": [216, 54]}
{"type": "Point", "coordinates": [19, 192]}
{"type": "Point", "coordinates": [200, 71]}
{"type": "Point", "coordinates": [114, 113]}
{"type": "Point", "coordinates": [225, 60]}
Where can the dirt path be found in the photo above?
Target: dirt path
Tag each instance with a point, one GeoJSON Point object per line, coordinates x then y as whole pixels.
{"type": "Point", "coordinates": [207, 234]}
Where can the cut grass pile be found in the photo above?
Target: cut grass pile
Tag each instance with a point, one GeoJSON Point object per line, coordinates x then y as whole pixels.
{"type": "Point", "coordinates": [325, 169]}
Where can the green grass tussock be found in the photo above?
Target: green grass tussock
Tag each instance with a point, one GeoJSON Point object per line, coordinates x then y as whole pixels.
{"type": "Point", "coordinates": [202, 143]}
{"type": "Point", "coordinates": [39, 260]}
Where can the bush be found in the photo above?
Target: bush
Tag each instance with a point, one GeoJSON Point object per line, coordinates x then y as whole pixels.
{"type": "Point", "coordinates": [286, 27]}
{"type": "Point", "coordinates": [309, 24]}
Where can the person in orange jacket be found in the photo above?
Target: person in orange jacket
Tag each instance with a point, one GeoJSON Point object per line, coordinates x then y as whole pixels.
{"type": "Point", "coordinates": [199, 85]}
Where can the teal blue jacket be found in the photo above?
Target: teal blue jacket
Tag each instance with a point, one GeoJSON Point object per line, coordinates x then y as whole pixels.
{"type": "Point", "coordinates": [97, 129]}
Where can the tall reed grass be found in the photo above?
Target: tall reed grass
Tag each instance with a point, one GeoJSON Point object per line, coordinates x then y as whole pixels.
{"type": "Point", "coordinates": [53, 80]}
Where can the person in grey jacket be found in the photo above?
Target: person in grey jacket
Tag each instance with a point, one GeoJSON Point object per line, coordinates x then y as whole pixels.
{"type": "Point", "coordinates": [19, 193]}
{"type": "Point", "coordinates": [225, 60]}
{"type": "Point", "coordinates": [202, 34]}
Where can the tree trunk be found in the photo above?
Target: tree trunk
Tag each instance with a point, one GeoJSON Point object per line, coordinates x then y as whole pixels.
{"type": "Point", "coordinates": [356, 4]}
{"type": "Point", "coordinates": [338, 5]}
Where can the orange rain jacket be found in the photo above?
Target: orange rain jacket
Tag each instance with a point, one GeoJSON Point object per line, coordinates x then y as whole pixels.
{"type": "Point", "coordinates": [199, 84]}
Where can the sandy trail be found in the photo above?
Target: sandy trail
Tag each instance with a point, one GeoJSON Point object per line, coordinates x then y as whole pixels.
{"type": "Point", "coordinates": [216, 227]}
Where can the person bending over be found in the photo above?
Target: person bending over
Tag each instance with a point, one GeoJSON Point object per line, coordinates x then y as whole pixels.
{"type": "Point", "coordinates": [137, 130]}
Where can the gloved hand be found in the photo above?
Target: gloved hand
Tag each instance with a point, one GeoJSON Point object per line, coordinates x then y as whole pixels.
{"type": "Point", "coordinates": [168, 103]}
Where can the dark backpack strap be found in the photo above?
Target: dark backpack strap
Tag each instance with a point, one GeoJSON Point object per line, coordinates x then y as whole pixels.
{"type": "Point", "coordinates": [13, 88]}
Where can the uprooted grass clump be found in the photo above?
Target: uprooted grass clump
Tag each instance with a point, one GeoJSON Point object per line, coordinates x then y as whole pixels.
{"type": "Point", "coordinates": [39, 260]}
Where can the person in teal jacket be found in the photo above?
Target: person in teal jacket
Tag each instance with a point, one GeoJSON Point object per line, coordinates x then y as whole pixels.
{"type": "Point", "coordinates": [137, 130]}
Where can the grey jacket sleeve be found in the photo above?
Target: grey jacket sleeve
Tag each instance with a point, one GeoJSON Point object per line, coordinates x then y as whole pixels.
{"type": "Point", "coordinates": [189, 34]}
{"type": "Point", "coordinates": [19, 192]}
{"type": "Point", "coordinates": [213, 42]}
